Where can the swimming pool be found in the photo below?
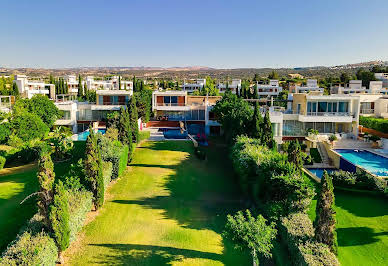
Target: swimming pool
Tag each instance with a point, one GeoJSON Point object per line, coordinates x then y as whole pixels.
{"type": "Point", "coordinates": [319, 171]}
{"type": "Point", "coordinates": [84, 135]}
{"type": "Point", "coordinates": [372, 162]}
{"type": "Point", "coordinates": [174, 134]}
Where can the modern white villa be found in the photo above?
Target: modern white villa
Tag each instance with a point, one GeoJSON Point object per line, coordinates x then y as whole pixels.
{"type": "Point", "coordinates": [234, 86]}
{"type": "Point", "coordinates": [29, 88]}
{"type": "Point", "coordinates": [311, 86]}
{"type": "Point", "coordinates": [271, 89]}
{"type": "Point", "coordinates": [193, 84]}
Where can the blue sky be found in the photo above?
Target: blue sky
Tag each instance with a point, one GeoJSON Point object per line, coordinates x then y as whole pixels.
{"type": "Point", "coordinates": [215, 33]}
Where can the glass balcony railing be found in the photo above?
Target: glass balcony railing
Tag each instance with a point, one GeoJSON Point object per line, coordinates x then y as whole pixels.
{"type": "Point", "coordinates": [330, 114]}
{"type": "Point", "coordinates": [170, 104]}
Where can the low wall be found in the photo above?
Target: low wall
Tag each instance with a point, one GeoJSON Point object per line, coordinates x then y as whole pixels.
{"type": "Point", "coordinates": [334, 157]}
{"type": "Point", "coordinates": [372, 132]}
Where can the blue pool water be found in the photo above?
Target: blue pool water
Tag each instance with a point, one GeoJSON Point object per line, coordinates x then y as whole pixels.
{"type": "Point", "coordinates": [373, 163]}
{"type": "Point", "coordinates": [174, 134]}
{"type": "Point", "coordinates": [84, 135]}
{"type": "Point", "coordinates": [319, 171]}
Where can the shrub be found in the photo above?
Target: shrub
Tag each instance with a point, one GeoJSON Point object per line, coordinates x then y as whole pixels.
{"type": "Point", "coordinates": [5, 132]}
{"type": "Point", "coordinates": [358, 180]}
{"type": "Point", "coordinates": [80, 203]}
{"type": "Point", "coordinates": [378, 124]}
{"type": "Point", "coordinates": [298, 233]}
{"type": "Point", "coordinates": [29, 249]}
{"type": "Point", "coordinates": [315, 155]}
{"type": "Point", "coordinates": [143, 135]}
{"type": "Point", "coordinates": [60, 216]}
{"type": "Point", "coordinates": [107, 173]}
{"type": "Point", "coordinates": [374, 138]}
{"type": "Point", "coordinates": [116, 153]}
{"type": "Point", "coordinates": [112, 133]}
{"type": "Point", "coordinates": [343, 178]}
{"type": "Point", "coordinates": [28, 126]}
{"type": "Point", "coordinates": [2, 162]}
{"type": "Point", "coordinates": [333, 138]}
{"type": "Point", "coordinates": [308, 160]}
{"type": "Point", "coordinates": [15, 141]}
{"type": "Point", "coordinates": [32, 246]}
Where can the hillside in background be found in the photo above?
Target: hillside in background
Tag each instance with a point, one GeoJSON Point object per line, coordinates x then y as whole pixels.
{"type": "Point", "coordinates": [193, 71]}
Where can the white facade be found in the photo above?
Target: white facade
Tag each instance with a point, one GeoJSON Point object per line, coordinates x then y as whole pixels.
{"type": "Point", "coordinates": [72, 84]}
{"type": "Point", "coordinates": [234, 86]}
{"type": "Point", "coordinates": [311, 85]}
{"type": "Point", "coordinates": [270, 89]}
{"type": "Point", "coordinates": [111, 84]}
{"type": "Point", "coordinates": [382, 77]}
{"type": "Point", "coordinates": [195, 85]}
{"type": "Point", "coordinates": [29, 88]}
{"type": "Point", "coordinates": [353, 87]}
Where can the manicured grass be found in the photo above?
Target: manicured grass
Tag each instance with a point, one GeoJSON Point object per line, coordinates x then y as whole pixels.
{"type": "Point", "coordinates": [362, 228]}
{"type": "Point", "coordinates": [16, 183]}
{"type": "Point", "coordinates": [168, 208]}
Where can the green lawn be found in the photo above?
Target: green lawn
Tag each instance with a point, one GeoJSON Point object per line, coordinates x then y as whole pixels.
{"type": "Point", "coordinates": [168, 208]}
{"type": "Point", "coordinates": [362, 228]}
{"type": "Point", "coordinates": [15, 184]}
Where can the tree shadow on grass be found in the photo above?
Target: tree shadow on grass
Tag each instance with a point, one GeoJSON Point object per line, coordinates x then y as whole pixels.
{"type": "Point", "coordinates": [200, 193]}
{"type": "Point", "coordinates": [357, 236]}
{"type": "Point", "coordinates": [360, 204]}
{"type": "Point", "coordinates": [132, 254]}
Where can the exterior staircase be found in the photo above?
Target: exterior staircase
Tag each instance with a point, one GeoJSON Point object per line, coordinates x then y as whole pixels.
{"type": "Point", "coordinates": [323, 153]}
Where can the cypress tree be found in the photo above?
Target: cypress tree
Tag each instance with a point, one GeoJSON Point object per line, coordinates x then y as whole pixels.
{"type": "Point", "coordinates": [59, 217]}
{"type": "Point", "coordinates": [93, 169]}
{"type": "Point", "coordinates": [80, 88]}
{"type": "Point", "coordinates": [119, 82]}
{"type": "Point", "coordinates": [255, 96]}
{"type": "Point", "coordinates": [15, 89]}
{"type": "Point", "coordinates": [66, 88]}
{"type": "Point", "coordinates": [46, 178]}
{"type": "Point", "coordinates": [325, 214]}
{"type": "Point", "coordinates": [125, 130]}
{"type": "Point", "coordinates": [86, 92]}
{"type": "Point", "coordinates": [134, 84]}
{"type": "Point", "coordinates": [267, 136]}
{"type": "Point", "coordinates": [257, 122]}
{"type": "Point", "coordinates": [295, 154]}
{"type": "Point", "coordinates": [133, 117]}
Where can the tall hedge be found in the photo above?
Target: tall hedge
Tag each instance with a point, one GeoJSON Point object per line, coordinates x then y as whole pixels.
{"type": "Point", "coordinates": [32, 246]}
{"type": "Point", "coordinates": [297, 232]}
{"type": "Point", "coordinates": [59, 217]}
{"type": "Point", "coordinates": [379, 124]}
{"type": "Point", "coordinates": [114, 152]}
{"type": "Point", "coordinates": [80, 203]}
{"type": "Point", "coordinates": [267, 175]}
{"type": "Point", "coordinates": [93, 169]}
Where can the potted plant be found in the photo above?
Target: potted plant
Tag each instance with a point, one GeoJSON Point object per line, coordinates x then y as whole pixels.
{"type": "Point", "coordinates": [374, 140]}
{"type": "Point", "coordinates": [312, 133]}
{"type": "Point", "coordinates": [332, 139]}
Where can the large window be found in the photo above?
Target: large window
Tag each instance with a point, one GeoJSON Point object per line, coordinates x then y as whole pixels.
{"type": "Point", "coordinates": [324, 107]}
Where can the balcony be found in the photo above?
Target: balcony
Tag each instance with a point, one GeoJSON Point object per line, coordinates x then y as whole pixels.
{"type": "Point", "coordinates": [171, 107]}
{"type": "Point", "coordinates": [339, 117]}
{"type": "Point", "coordinates": [367, 111]}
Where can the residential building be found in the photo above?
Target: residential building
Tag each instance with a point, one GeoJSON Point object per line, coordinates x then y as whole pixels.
{"type": "Point", "coordinates": [353, 87]}
{"type": "Point", "coordinates": [374, 105]}
{"type": "Point", "coordinates": [233, 86]}
{"type": "Point", "coordinates": [6, 103]}
{"type": "Point", "coordinates": [29, 88]}
{"type": "Point", "coordinates": [72, 84]}
{"type": "Point", "coordinates": [175, 106]}
{"type": "Point", "coordinates": [270, 89]}
{"type": "Point", "coordinates": [328, 114]}
{"type": "Point", "coordinates": [192, 85]}
{"type": "Point", "coordinates": [382, 77]}
{"type": "Point", "coordinates": [110, 84]}
{"type": "Point", "coordinates": [79, 115]}
{"type": "Point", "coordinates": [311, 86]}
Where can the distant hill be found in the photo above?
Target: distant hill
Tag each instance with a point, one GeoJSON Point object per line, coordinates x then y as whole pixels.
{"type": "Point", "coordinates": [193, 71]}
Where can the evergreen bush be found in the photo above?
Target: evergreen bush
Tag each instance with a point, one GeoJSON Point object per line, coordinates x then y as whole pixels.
{"type": "Point", "coordinates": [80, 203]}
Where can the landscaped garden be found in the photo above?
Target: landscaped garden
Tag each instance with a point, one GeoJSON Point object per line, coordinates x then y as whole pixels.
{"type": "Point", "coordinates": [362, 226]}
{"type": "Point", "coordinates": [169, 207]}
